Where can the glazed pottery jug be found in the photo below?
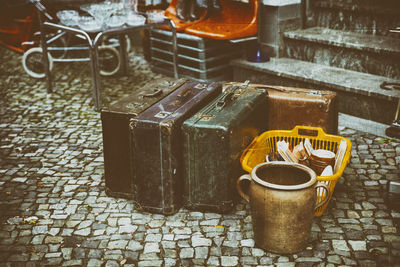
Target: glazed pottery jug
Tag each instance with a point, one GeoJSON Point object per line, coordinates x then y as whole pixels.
{"type": "Point", "coordinates": [282, 198]}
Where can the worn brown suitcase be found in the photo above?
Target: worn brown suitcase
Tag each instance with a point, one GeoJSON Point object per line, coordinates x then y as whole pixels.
{"type": "Point", "coordinates": [116, 134]}
{"type": "Point", "coordinates": [157, 147]}
{"type": "Point", "coordinates": [288, 107]}
{"type": "Point", "coordinates": [214, 139]}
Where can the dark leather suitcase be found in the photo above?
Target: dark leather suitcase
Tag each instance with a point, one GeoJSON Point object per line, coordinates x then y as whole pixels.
{"type": "Point", "coordinates": [288, 107]}
{"type": "Point", "coordinates": [116, 134]}
{"type": "Point", "coordinates": [214, 139]}
{"type": "Point", "coordinates": [157, 147]}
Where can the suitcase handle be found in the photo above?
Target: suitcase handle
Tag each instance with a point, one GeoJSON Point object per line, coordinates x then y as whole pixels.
{"type": "Point", "coordinates": [157, 92]}
{"type": "Point", "coordinates": [310, 92]}
{"type": "Point", "coordinates": [224, 100]}
{"type": "Point", "coordinates": [309, 131]}
{"type": "Point", "coordinates": [184, 93]}
{"type": "Point", "coordinates": [282, 89]}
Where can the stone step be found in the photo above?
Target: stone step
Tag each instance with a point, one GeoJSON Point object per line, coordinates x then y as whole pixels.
{"type": "Point", "coordinates": [378, 55]}
{"type": "Point", "coordinates": [367, 16]}
{"type": "Point", "coordinates": [359, 124]}
{"type": "Point", "coordinates": [359, 94]}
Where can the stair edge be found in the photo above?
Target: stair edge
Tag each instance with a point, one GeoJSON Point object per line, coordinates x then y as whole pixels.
{"type": "Point", "coordinates": [268, 67]}
{"type": "Point", "coordinates": [295, 35]}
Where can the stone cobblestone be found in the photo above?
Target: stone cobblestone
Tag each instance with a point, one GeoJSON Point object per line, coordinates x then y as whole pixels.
{"type": "Point", "coordinates": [54, 210]}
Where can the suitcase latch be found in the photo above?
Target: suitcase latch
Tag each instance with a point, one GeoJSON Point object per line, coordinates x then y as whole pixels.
{"type": "Point", "coordinates": [162, 114]}
{"type": "Point", "coordinates": [238, 89]}
{"type": "Point", "coordinates": [155, 93]}
{"type": "Point", "coordinates": [201, 86]}
{"type": "Point", "coordinates": [206, 117]}
{"type": "Point", "coordinates": [228, 97]}
{"type": "Point", "coordinates": [315, 92]}
{"type": "Point", "coordinates": [134, 105]}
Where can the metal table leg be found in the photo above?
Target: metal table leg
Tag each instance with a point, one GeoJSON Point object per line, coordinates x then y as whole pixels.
{"type": "Point", "coordinates": [94, 55]}
{"type": "Point", "coordinates": [95, 69]}
{"type": "Point", "coordinates": [123, 53]}
{"type": "Point", "coordinates": [174, 48]}
{"type": "Point", "coordinates": [43, 43]}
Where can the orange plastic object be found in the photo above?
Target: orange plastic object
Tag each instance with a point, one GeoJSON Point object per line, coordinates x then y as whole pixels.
{"type": "Point", "coordinates": [180, 25]}
{"type": "Point", "coordinates": [13, 33]}
{"type": "Point", "coordinates": [234, 20]}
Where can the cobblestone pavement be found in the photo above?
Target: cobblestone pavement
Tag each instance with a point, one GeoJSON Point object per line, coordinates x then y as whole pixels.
{"type": "Point", "coordinates": [54, 211]}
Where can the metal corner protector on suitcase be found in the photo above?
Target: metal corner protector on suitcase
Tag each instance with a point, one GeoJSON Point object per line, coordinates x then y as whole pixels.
{"type": "Point", "coordinates": [214, 139]}
{"type": "Point", "coordinates": [116, 134]}
{"type": "Point", "coordinates": [157, 147]}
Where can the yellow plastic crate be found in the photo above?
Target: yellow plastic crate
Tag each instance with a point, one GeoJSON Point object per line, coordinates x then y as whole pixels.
{"type": "Point", "coordinates": [265, 143]}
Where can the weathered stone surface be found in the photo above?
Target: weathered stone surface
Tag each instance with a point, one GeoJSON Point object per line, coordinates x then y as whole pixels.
{"type": "Point", "coordinates": [83, 232]}
{"type": "Point", "coordinates": [186, 253]}
{"type": "Point", "coordinates": [134, 245]}
{"type": "Point", "coordinates": [358, 245]}
{"type": "Point", "coordinates": [153, 238]}
{"type": "Point", "coordinates": [53, 239]}
{"type": "Point", "coordinates": [229, 260]}
{"type": "Point", "coordinates": [119, 244]}
{"type": "Point", "coordinates": [40, 229]}
{"type": "Point", "coordinates": [201, 252]}
{"type": "Point", "coordinates": [247, 243]}
{"type": "Point", "coordinates": [151, 248]}
{"type": "Point", "coordinates": [340, 245]}
{"type": "Point", "coordinates": [200, 241]}
{"type": "Point", "coordinates": [94, 263]}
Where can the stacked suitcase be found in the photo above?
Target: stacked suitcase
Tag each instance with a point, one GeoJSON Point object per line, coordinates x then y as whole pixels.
{"type": "Point", "coordinates": [179, 142]}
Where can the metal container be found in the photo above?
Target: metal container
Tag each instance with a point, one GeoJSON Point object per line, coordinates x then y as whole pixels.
{"type": "Point", "coordinates": [200, 59]}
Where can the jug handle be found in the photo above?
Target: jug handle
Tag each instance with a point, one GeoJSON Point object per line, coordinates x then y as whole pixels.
{"type": "Point", "coordinates": [239, 187]}
{"type": "Point", "coordinates": [326, 199]}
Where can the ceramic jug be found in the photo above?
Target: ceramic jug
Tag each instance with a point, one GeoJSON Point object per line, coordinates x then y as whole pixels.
{"type": "Point", "coordinates": [282, 199]}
